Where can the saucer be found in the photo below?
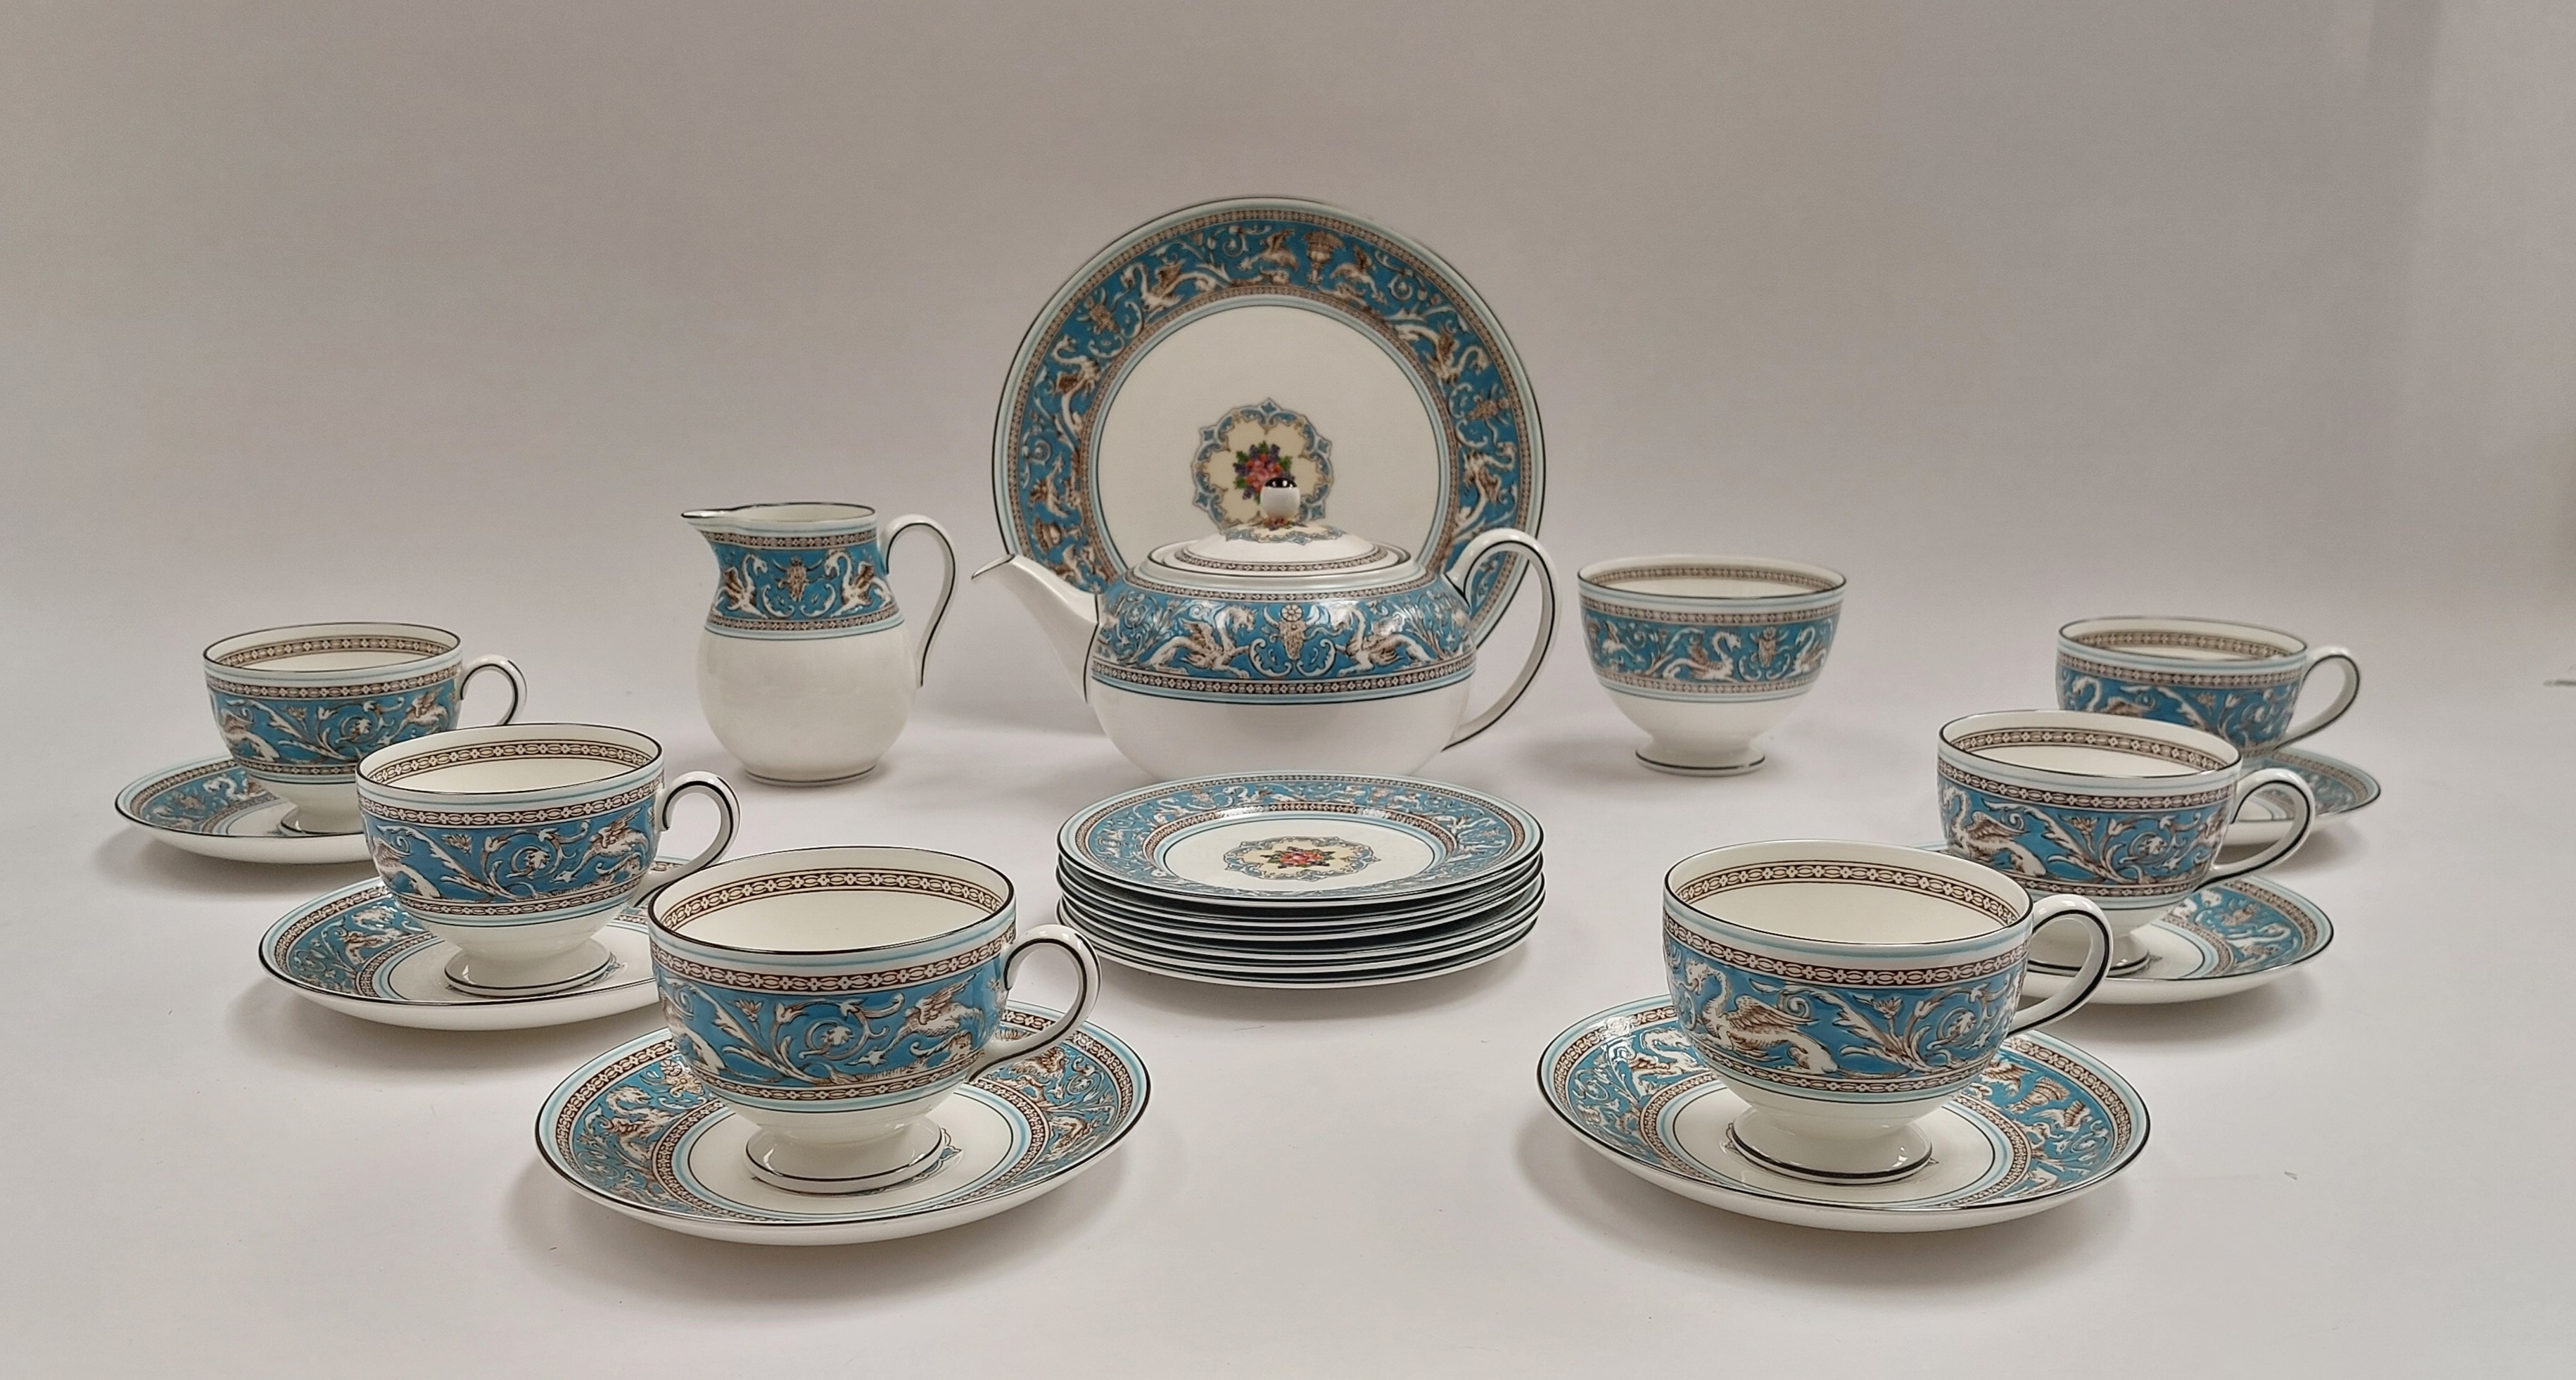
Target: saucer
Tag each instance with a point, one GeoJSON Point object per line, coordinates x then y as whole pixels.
{"type": "Point", "coordinates": [1439, 966]}
{"type": "Point", "coordinates": [1337, 957]}
{"type": "Point", "coordinates": [2226, 937]}
{"type": "Point", "coordinates": [634, 1130]}
{"type": "Point", "coordinates": [2340, 788]}
{"type": "Point", "coordinates": [211, 806]}
{"type": "Point", "coordinates": [356, 952]}
{"type": "Point", "coordinates": [1287, 839]}
{"type": "Point", "coordinates": [2045, 1125]}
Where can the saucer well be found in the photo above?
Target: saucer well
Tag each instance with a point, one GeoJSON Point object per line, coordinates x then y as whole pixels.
{"type": "Point", "coordinates": [2340, 788]}
{"type": "Point", "coordinates": [2045, 1125]}
{"type": "Point", "coordinates": [356, 952]}
{"type": "Point", "coordinates": [211, 806]}
{"type": "Point", "coordinates": [635, 1131]}
{"type": "Point", "coordinates": [2226, 937]}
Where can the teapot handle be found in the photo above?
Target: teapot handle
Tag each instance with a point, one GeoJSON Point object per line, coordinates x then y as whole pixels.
{"type": "Point", "coordinates": [1462, 570]}
{"type": "Point", "coordinates": [947, 583]}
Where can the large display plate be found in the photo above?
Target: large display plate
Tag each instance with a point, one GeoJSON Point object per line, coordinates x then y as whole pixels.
{"type": "Point", "coordinates": [1168, 340]}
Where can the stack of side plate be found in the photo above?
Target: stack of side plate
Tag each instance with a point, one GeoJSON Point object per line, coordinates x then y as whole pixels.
{"type": "Point", "coordinates": [1277, 879]}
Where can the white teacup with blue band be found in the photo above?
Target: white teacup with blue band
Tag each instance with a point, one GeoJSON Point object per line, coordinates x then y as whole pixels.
{"type": "Point", "coordinates": [298, 706]}
{"type": "Point", "coordinates": [2236, 680]}
{"type": "Point", "coordinates": [515, 844]}
{"type": "Point", "coordinates": [806, 670]}
{"type": "Point", "coordinates": [1707, 653]}
{"type": "Point", "coordinates": [834, 996]}
{"type": "Point", "coordinates": [2129, 812]}
{"type": "Point", "coordinates": [1847, 990]}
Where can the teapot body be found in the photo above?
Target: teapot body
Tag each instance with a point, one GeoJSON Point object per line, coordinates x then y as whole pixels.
{"type": "Point", "coordinates": [1365, 673]}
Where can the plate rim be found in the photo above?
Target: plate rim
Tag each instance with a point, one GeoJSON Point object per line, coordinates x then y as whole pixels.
{"type": "Point", "coordinates": [1507, 357]}
{"type": "Point", "coordinates": [1533, 844]}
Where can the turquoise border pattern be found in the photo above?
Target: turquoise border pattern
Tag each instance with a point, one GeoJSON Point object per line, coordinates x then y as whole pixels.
{"type": "Point", "coordinates": [1236, 254]}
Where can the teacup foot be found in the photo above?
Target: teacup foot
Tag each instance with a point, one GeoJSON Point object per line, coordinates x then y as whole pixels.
{"type": "Point", "coordinates": [1878, 1159]}
{"type": "Point", "coordinates": [543, 978]}
{"type": "Point", "coordinates": [916, 1150]}
{"type": "Point", "coordinates": [799, 782]}
{"type": "Point", "coordinates": [1691, 769]}
{"type": "Point", "coordinates": [294, 824]}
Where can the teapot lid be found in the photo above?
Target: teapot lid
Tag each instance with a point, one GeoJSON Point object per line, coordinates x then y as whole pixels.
{"type": "Point", "coordinates": [1281, 541]}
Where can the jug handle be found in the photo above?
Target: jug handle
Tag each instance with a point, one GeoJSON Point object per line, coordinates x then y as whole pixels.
{"type": "Point", "coordinates": [1462, 570]}
{"type": "Point", "coordinates": [947, 583]}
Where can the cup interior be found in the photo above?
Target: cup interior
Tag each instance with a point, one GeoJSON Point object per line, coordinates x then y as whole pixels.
{"type": "Point", "coordinates": [321, 648]}
{"type": "Point", "coordinates": [1848, 893]}
{"type": "Point", "coordinates": [512, 759]}
{"type": "Point", "coordinates": [1716, 579]}
{"type": "Point", "coordinates": [831, 900]}
{"type": "Point", "coordinates": [2093, 745]}
{"type": "Point", "coordinates": [763, 515]}
{"type": "Point", "coordinates": [2184, 639]}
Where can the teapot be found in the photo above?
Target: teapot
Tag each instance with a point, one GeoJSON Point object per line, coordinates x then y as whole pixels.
{"type": "Point", "coordinates": [1279, 641]}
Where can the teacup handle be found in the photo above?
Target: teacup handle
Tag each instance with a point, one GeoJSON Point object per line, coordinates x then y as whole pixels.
{"type": "Point", "coordinates": [947, 583]}
{"type": "Point", "coordinates": [728, 809]}
{"type": "Point", "coordinates": [1086, 981]}
{"type": "Point", "coordinates": [2088, 976]}
{"type": "Point", "coordinates": [2342, 702]}
{"type": "Point", "coordinates": [509, 671]}
{"type": "Point", "coordinates": [1463, 570]}
{"type": "Point", "coordinates": [2264, 780]}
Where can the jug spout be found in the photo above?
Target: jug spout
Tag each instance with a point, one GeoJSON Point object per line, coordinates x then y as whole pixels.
{"type": "Point", "coordinates": [1069, 615]}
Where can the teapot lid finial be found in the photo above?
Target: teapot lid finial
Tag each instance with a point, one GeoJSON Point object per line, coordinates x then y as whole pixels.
{"type": "Point", "coordinates": [1281, 500]}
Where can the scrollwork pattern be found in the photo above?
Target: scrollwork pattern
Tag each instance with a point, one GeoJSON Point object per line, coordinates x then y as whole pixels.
{"type": "Point", "coordinates": [2252, 715]}
{"type": "Point", "coordinates": [1893, 1040]}
{"type": "Point", "coordinates": [856, 1044]}
{"type": "Point", "coordinates": [827, 587]}
{"type": "Point", "coordinates": [325, 736]}
{"type": "Point", "coordinates": [2153, 850]}
{"type": "Point", "coordinates": [1704, 658]}
{"type": "Point", "coordinates": [1324, 262]}
{"type": "Point", "coordinates": [1182, 644]}
{"type": "Point", "coordinates": [463, 872]}
{"type": "Point", "coordinates": [201, 800]}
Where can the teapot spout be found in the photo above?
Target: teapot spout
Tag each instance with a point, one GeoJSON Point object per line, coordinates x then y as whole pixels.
{"type": "Point", "coordinates": [1068, 615]}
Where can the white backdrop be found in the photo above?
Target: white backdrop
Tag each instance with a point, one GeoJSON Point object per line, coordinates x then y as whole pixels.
{"type": "Point", "coordinates": [2016, 312]}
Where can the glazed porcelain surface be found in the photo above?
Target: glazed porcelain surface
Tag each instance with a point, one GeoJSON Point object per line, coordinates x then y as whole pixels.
{"type": "Point", "coordinates": [356, 952]}
{"type": "Point", "coordinates": [2038, 1125]}
{"type": "Point", "coordinates": [1707, 653]}
{"type": "Point", "coordinates": [635, 1130]}
{"type": "Point", "coordinates": [806, 666]}
{"type": "Point", "coordinates": [515, 844]}
{"type": "Point", "coordinates": [1262, 976]}
{"type": "Point", "coordinates": [2339, 787]}
{"type": "Point", "coordinates": [1846, 990]}
{"type": "Point", "coordinates": [1280, 329]}
{"type": "Point", "coordinates": [1280, 641]}
{"type": "Point", "coordinates": [1300, 925]}
{"type": "Point", "coordinates": [212, 806]}
{"type": "Point", "coordinates": [1339, 954]}
{"type": "Point", "coordinates": [2236, 680]}
{"type": "Point", "coordinates": [832, 996]}
{"type": "Point", "coordinates": [2130, 812]}
{"type": "Point", "coordinates": [2225, 938]}
{"type": "Point", "coordinates": [299, 706]}
{"type": "Point", "coordinates": [1289, 838]}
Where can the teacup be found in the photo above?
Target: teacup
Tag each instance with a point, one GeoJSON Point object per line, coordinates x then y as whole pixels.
{"type": "Point", "coordinates": [515, 844]}
{"type": "Point", "coordinates": [2236, 680]}
{"type": "Point", "coordinates": [834, 996]}
{"type": "Point", "coordinates": [1847, 990]}
{"type": "Point", "coordinates": [1707, 653]}
{"type": "Point", "coordinates": [298, 706]}
{"type": "Point", "coordinates": [2128, 812]}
